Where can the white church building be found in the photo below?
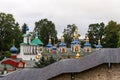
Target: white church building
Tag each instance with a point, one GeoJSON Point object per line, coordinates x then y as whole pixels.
{"type": "Point", "coordinates": [30, 50]}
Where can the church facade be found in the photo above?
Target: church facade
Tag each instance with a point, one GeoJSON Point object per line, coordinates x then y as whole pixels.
{"type": "Point", "coordinates": [30, 49]}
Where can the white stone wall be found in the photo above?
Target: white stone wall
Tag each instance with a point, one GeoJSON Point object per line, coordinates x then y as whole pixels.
{"type": "Point", "coordinates": [26, 52]}
{"type": "Point", "coordinates": [25, 39]}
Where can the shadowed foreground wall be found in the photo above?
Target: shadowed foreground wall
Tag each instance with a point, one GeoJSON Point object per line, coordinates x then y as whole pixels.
{"type": "Point", "coordinates": [101, 72]}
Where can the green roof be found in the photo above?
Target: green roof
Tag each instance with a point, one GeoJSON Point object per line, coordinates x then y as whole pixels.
{"type": "Point", "coordinates": [23, 43]}
{"type": "Point", "coordinates": [26, 35]}
{"type": "Point", "coordinates": [37, 41]}
{"type": "Point", "coordinates": [32, 44]}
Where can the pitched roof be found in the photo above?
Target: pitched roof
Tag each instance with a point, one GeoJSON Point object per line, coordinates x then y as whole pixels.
{"type": "Point", "coordinates": [23, 43]}
{"type": "Point", "coordinates": [37, 41]}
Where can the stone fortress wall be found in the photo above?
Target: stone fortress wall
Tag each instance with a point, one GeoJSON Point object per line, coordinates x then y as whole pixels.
{"type": "Point", "coordinates": [101, 72]}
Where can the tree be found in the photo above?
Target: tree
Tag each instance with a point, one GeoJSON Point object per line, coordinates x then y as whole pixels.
{"type": "Point", "coordinates": [95, 32]}
{"type": "Point", "coordinates": [118, 45]}
{"type": "Point", "coordinates": [24, 28]}
{"type": "Point", "coordinates": [9, 30]}
{"type": "Point", "coordinates": [44, 62]}
{"type": "Point", "coordinates": [45, 28]}
{"type": "Point", "coordinates": [68, 33]}
{"type": "Point", "coordinates": [51, 59]}
{"type": "Point", "coordinates": [112, 34]}
{"type": "Point", "coordinates": [6, 54]}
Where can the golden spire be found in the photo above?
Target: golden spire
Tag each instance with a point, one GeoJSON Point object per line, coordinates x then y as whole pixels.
{"type": "Point", "coordinates": [99, 41]}
{"type": "Point", "coordinates": [87, 39]}
{"type": "Point", "coordinates": [76, 29]}
{"type": "Point", "coordinates": [50, 39]}
{"type": "Point", "coordinates": [62, 39]}
{"type": "Point", "coordinates": [76, 33]}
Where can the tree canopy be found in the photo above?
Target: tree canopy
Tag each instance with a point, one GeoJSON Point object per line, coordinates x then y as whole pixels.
{"type": "Point", "coordinates": [45, 28]}
{"type": "Point", "coordinates": [68, 34]}
{"type": "Point", "coordinates": [112, 34]}
{"type": "Point", "coordinates": [9, 30]}
{"type": "Point", "coordinates": [96, 31]}
{"type": "Point", "coordinates": [44, 62]}
{"type": "Point", "coordinates": [24, 28]}
{"type": "Point", "coordinates": [119, 40]}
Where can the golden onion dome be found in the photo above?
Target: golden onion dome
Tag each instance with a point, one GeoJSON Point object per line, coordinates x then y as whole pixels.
{"type": "Point", "coordinates": [37, 57]}
{"type": "Point", "coordinates": [77, 55]}
{"type": "Point", "coordinates": [62, 38]}
{"type": "Point", "coordinates": [99, 41]}
{"type": "Point", "coordinates": [76, 35]}
{"type": "Point", "coordinates": [87, 38]}
{"type": "Point", "coordinates": [49, 40]}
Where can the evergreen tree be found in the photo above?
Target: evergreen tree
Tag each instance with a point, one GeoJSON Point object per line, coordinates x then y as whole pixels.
{"type": "Point", "coordinates": [24, 28]}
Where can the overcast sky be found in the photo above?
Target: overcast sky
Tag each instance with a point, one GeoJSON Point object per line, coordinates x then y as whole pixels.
{"type": "Point", "coordinates": [63, 12]}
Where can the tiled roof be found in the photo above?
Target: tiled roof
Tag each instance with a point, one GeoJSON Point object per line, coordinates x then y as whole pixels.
{"type": "Point", "coordinates": [67, 66]}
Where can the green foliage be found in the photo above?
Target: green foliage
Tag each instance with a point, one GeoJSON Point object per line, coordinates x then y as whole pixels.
{"type": "Point", "coordinates": [118, 45]}
{"type": "Point", "coordinates": [9, 30]}
{"type": "Point", "coordinates": [6, 54]}
{"type": "Point", "coordinates": [24, 28]}
{"type": "Point", "coordinates": [68, 34]}
{"type": "Point", "coordinates": [44, 62]}
{"type": "Point", "coordinates": [51, 60]}
{"type": "Point", "coordinates": [95, 32]}
{"type": "Point", "coordinates": [82, 43]}
{"type": "Point", "coordinates": [112, 34]}
{"type": "Point", "coordinates": [45, 28]}
{"type": "Point", "coordinates": [1, 57]}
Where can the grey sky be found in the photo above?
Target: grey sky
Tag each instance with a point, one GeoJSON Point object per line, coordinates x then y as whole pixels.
{"type": "Point", "coordinates": [63, 12]}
